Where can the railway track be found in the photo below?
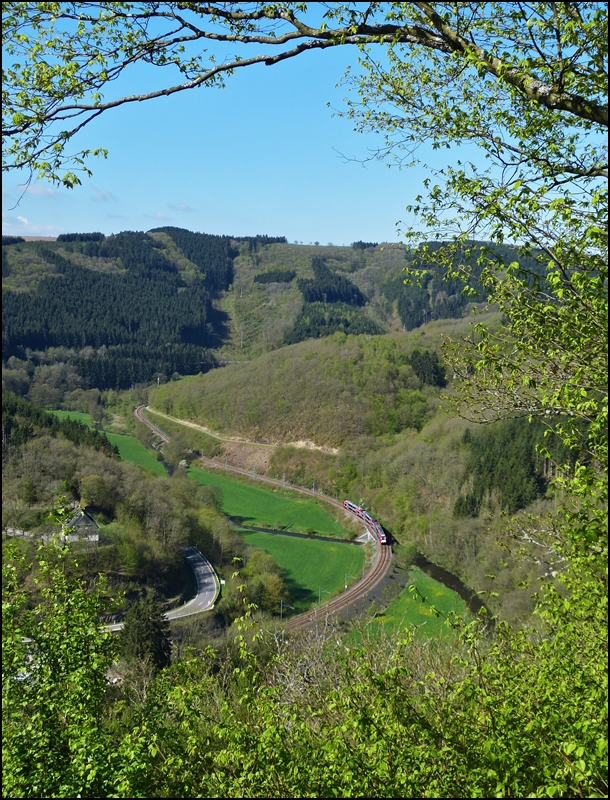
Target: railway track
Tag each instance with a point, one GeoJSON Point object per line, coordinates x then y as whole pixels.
{"type": "Point", "coordinates": [380, 565]}
{"type": "Point", "coordinates": [382, 561]}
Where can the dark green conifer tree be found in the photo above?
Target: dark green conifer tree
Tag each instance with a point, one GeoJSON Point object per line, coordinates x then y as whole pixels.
{"type": "Point", "coordinates": [145, 634]}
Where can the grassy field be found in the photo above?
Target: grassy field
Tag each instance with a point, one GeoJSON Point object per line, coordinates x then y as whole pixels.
{"type": "Point", "coordinates": [250, 505]}
{"type": "Point", "coordinates": [130, 448]}
{"type": "Point", "coordinates": [309, 566]}
{"type": "Point", "coordinates": [77, 415]}
{"type": "Point", "coordinates": [409, 611]}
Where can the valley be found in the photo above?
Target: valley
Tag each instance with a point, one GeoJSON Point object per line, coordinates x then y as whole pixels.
{"type": "Point", "coordinates": [308, 369]}
{"type": "Point", "coordinates": [352, 414]}
{"type": "Point", "coordinates": [376, 473]}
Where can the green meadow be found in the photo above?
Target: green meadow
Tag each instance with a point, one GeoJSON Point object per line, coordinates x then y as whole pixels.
{"type": "Point", "coordinates": [310, 568]}
{"type": "Point", "coordinates": [409, 611]}
{"type": "Point", "coordinates": [87, 419]}
{"type": "Point", "coordinates": [130, 448]}
{"type": "Point", "coordinates": [250, 505]}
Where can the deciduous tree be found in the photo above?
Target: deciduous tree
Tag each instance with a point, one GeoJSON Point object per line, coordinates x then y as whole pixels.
{"type": "Point", "coordinates": [54, 663]}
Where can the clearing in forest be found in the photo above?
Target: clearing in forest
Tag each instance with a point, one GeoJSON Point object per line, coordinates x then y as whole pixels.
{"type": "Point", "coordinates": [130, 448]}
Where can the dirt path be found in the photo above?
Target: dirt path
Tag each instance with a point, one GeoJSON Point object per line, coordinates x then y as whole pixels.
{"type": "Point", "coordinates": [308, 445]}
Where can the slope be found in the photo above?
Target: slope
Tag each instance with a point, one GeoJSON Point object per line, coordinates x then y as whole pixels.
{"type": "Point", "coordinates": [327, 391]}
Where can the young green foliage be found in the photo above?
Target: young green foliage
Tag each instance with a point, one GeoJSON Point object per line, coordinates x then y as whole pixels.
{"type": "Point", "coordinates": [54, 663]}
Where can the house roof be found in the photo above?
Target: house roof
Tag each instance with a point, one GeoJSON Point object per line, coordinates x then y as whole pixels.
{"type": "Point", "coordinates": [83, 518]}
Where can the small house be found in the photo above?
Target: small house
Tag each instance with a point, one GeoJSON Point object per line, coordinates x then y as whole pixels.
{"type": "Point", "coordinates": [83, 526]}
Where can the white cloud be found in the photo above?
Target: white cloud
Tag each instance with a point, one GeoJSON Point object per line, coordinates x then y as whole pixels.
{"type": "Point", "coordinates": [179, 207]}
{"type": "Point", "coordinates": [40, 191]}
{"type": "Point", "coordinates": [23, 220]}
{"type": "Point", "coordinates": [102, 195]}
{"type": "Point", "coordinates": [159, 215]}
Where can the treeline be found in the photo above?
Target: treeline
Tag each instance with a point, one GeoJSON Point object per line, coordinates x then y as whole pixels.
{"type": "Point", "coordinates": [254, 242]}
{"type": "Point", "coordinates": [435, 298]}
{"type": "Point", "coordinates": [504, 466]}
{"type": "Point", "coordinates": [276, 276]}
{"type": "Point", "coordinates": [328, 287]}
{"type": "Point", "coordinates": [134, 250]}
{"type": "Point", "coordinates": [124, 365]}
{"type": "Point", "coordinates": [81, 237]}
{"type": "Point", "coordinates": [323, 319]}
{"type": "Point", "coordinates": [92, 308]}
{"type": "Point", "coordinates": [6, 240]}
{"type": "Point", "coordinates": [360, 245]}
{"type": "Point", "coordinates": [330, 304]}
{"type": "Point", "coordinates": [21, 421]}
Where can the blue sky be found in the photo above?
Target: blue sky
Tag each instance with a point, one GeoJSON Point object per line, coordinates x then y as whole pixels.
{"type": "Point", "coordinates": [260, 156]}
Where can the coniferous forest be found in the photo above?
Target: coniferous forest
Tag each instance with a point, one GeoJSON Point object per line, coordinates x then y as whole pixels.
{"type": "Point", "coordinates": [128, 308]}
{"type": "Point", "coordinates": [139, 319]}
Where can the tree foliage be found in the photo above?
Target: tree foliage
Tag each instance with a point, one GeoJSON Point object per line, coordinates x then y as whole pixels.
{"type": "Point", "coordinates": [54, 663]}
{"type": "Point", "coordinates": [329, 287]}
{"type": "Point", "coordinates": [276, 276]}
{"type": "Point", "coordinates": [22, 420]}
{"type": "Point", "coordinates": [543, 57]}
{"type": "Point", "coordinates": [319, 319]}
{"type": "Point", "coordinates": [141, 319]}
{"type": "Point", "coordinates": [145, 633]}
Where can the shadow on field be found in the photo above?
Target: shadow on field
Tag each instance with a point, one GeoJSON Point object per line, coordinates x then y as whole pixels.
{"type": "Point", "coordinates": [299, 595]}
{"type": "Point", "coordinates": [241, 520]}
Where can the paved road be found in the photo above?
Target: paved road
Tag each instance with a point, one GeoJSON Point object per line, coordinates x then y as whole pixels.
{"type": "Point", "coordinates": [207, 585]}
{"type": "Point", "coordinates": [207, 588]}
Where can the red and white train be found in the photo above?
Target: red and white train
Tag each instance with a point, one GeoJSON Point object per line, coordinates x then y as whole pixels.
{"type": "Point", "coordinates": [360, 512]}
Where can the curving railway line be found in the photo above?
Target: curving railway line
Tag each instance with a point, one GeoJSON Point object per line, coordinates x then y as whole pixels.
{"type": "Point", "coordinates": [380, 565]}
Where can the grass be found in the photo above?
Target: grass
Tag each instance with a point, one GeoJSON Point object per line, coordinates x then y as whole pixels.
{"type": "Point", "coordinates": [309, 565]}
{"type": "Point", "coordinates": [130, 448]}
{"type": "Point", "coordinates": [249, 505]}
{"type": "Point", "coordinates": [410, 611]}
{"type": "Point", "coordinates": [87, 419]}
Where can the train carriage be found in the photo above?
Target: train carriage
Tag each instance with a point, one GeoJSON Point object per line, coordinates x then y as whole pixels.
{"type": "Point", "coordinates": [372, 523]}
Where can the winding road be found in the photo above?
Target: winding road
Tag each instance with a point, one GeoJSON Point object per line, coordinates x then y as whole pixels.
{"type": "Point", "coordinates": [350, 599]}
{"type": "Point", "coordinates": [208, 588]}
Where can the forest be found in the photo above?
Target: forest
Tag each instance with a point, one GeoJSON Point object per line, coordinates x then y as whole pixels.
{"type": "Point", "coordinates": [505, 460]}
{"type": "Point", "coordinates": [148, 303]}
{"type": "Point", "coordinates": [156, 305]}
{"type": "Point", "coordinates": [21, 421]}
{"type": "Point", "coordinates": [276, 276]}
{"type": "Point", "coordinates": [329, 287]}
{"type": "Point", "coordinates": [140, 321]}
{"type": "Point", "coordinates": [319, 319]}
